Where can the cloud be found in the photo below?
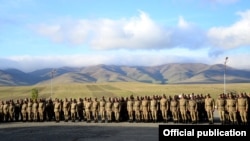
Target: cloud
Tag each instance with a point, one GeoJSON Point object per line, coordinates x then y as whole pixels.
{"type": "Point", "coordinates": [233, 36]}
{"type": "Point", "coordinates": [187, 35]}
{"type": "Point", "coordinates": [122, 57]}
{"type": "Point", "coordinates": [30, 63]}
{"type": "Point", "coordinates": [139, 32]}
{"type": "Point", "coordinates": [143, 33]}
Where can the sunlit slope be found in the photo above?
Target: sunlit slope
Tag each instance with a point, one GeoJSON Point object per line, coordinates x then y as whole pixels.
{"type": "Point", "coordinates": [116, 89]}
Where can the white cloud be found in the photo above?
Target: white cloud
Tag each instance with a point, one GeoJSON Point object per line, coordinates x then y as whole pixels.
{"type": "Point", "coordinates": [234, 36]}
{"type": "Point", "coordinates": [124, 57]}
{"type": "Point", "coordinates": [134, 33]}
{"type": "Point", "coordinates": [239, 60]}
{"type": "Point", "coordinates": [139, 32]}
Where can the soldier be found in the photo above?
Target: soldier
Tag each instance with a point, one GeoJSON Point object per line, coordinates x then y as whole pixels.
{"type": "Point", "coordinates": [73, 110]}
{"type": "Point", "coordinates": [11, 110]}
{"type": "Point", "coordinates": [102, 111]}
{"type": "Point", "coordinates": [108, 109]}
{"type": "Point", "coordinates": [137, 109]}
{"type": "Point", "coordinates": [209, 107]}
{"type": "Point", "coordinates": [1, 111]}
{"type": "Point", "coordinates": [88, 105]}
{"type": "Point", "coordinates": [154, 108]}
{"type": "Point", "coordinates": [24, 110]}
{"type": "Point", "coordinates": [95, 109]}
{"type": "Point", "coordinates": [85, 100]}
{"type": "Point", "coordinates": [66, 109]}
{"type": "Point", "coordinates": [232, 109]}
{"type": "Point", "coordinates": [202, 114]}
{"type": "Point", "coordinates": [145, 109]}
{"type": "Point", "coordinates": [243, 108]}
{"type": "Point", "coordinates": [49, 110]}
{"type": "Point", "coordinates": [192, 108]}
{"type": "Point", "coordinates": [221, 108]}
{"type": "Point", "coordinates": [80, 109]}
{"type": "Point", "coordinates": [174, 108]}
{"type": "Point", "coordinates": [164, 106]}
{"type": "Point", "coordinates": [183, 103]}
{"type": "Point", "coordinates": [6, 111]}
{"type": "Point", "coordinates": [117, 109]}
{"type": "Point", "coordinates": [29, 110]}
{"type": "Point", "coordinates": [123, 110]}
{"type": "Point", "coordinates": [35, 110]}
{"type": "Point", "coordinates": [41, 109]}
{"type": "Point", "coordinates": [130, 110]}
{"type": "Point", "coordinates": [18, 110]}
{"type": "Point", "coordinates": [57, 109]}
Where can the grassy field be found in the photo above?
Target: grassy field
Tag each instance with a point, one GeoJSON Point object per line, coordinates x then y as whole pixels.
{"type": "Point", "coordinates": [117, 89]}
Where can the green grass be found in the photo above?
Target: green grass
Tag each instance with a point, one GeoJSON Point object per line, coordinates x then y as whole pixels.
{"type": "Point", "coordinates": [117, 89]}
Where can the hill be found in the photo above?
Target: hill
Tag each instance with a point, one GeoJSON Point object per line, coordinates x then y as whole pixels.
{"type": "Point", "coordinates": [174, 73]}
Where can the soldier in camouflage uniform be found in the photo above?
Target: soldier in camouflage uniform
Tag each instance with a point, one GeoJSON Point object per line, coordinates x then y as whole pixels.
{"type": "Point", "coordinates": [1, 111]}
{"type": "Point", "coordinates": [183, 103]}
{"type": "Point", "coordinates": [18, 110]}
{"type": "Point", "coordinates": [88, 105]}
{"type": "Point", "coordinates": [11, 110]}
{"type": "Point", "coordinates": [35, 110]}
{"type": "Point", "coordinates": [66, 109]}
{"type": "Point", "coordinates": [209, 107]}
{"type": "Point", "coordinates": [130, 103]}
{"type": "Point", "coordinates": [41, 109]}
{"type": "Point", "coordinates": [95, 109]}
{"type": "Point", "coordinates": [24, 110]}
{"type": "Point", "coordinates": [6, 111]}
{"type": "Point", "coordinates": [154, 108]}
{"type": "Point", "coordinates": [174, 109]}
{"type": "Point", "coordinates": [108, 109]}
{"type": "Point", "coordinates": [29, 110]}
{"type": "Point", "coordinates": [145, 105]}
{"type": "Point", "coordinates": [80, 108]}
{"type": "Point", "coordinates": [221, 108]}
{"type": "Point", "coordinates": [73, 109]}
{"type": "Point", "coordinates": [137, 109]}
{"type": "Point", "coordinates": [232, 109]}
{"type": "Point", "coordinates": [57, 110]}
{"type": "Point", "coordinates": [117, 109]}
{"type": "Point", "coordinates": [164, 106]}
{"type": "Point", "coordinates": [102, 109]}
{"type": "Point", "coordinates": [192, 108]}
{"type": "Point", "coordinates": [242, 106]}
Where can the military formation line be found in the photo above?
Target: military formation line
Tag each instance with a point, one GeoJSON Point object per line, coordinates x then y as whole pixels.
{"type": "Point", "coordinates": [183, 108]}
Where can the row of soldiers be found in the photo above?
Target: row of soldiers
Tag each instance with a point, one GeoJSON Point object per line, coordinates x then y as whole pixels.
{"type": "Point", "coordinates": [184, 108]}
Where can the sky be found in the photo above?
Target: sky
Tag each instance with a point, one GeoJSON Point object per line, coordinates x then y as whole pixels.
{"type": "Point", "coordinates": [37, 34]}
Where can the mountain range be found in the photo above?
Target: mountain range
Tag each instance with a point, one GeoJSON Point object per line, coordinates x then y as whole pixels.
{"type": "Point", "coordinates": [172, 73]}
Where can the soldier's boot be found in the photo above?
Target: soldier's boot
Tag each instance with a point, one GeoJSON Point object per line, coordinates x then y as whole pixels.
{"type": "Point", "coordinates": [236, 123]}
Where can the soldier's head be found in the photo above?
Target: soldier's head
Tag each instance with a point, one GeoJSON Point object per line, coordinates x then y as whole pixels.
{"type": "Point", "coordinates": [241, 95]}
{"type": "Point", "coordinates": [132, 96]}
{"type": "Point", "coordinates": [163, 96]}
{"type": "Point", "coordinates": [208, 95]}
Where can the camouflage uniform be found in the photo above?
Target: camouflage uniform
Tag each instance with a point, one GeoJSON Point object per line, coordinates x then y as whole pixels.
{"type": "Point", "coordinates": [209, 107]}
{"type": "Point", "coordinates": [102, 109]}
{"type": "Point", "coordinates": [243, 108]}
{"type": "Point", "coordinates": [232, 109]}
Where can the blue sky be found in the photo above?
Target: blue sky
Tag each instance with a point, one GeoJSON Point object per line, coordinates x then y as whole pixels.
{"type": "Point", "coordinates": [36, 34]}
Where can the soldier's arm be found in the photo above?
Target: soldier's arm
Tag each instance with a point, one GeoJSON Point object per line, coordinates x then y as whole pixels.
{"type": "Point", "coordinates": [213, 104]}
{"type": "Point", "coordinates": [247, 105]}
